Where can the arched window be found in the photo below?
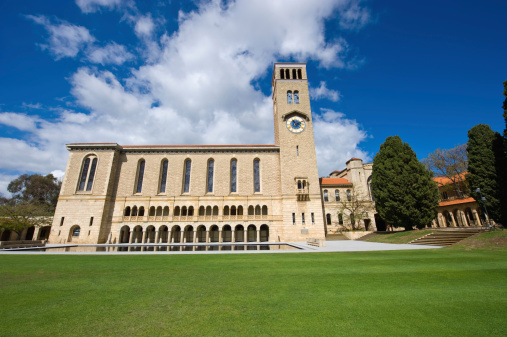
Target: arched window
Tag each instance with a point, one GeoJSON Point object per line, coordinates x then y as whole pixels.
{"type": "Point", "coordinates": [234, 173]}
{"type": "Point", "coordinates": [300, 76]}
{"type": "Point", "coordinates": [326, 198]}
{"type": "Point", "coordinates": [211, 169]}
{"type": "Point", "coordinates": [240, 210]}
{"type": "Point", "coordinates": [159, 211]}
{"type": "Point", "coordinates": [250, 210]}
{"type": "Point", "coordinates": [140, 175]}
{"type": "Point", "coordinates": [296, 97]}
{"type": "Point", "coordinates": [177, 211]}
{"type": "Point", "coordinates": [141, 211]}
{"type": "Point", "coordinates": [294, 74]}
{"type": "Point", "coordinates": [337, 195]}
{"type": "Point", "coordinates": [349, 196]}
{"type": "Point", "coordinates": [328, 218]}
{"type": "Point", "coordinates": [257, 179]}
{"type": "Point", "coordinates": [215, 210]}
{"type": "Point", "coordinates": [208, 210]}
{"type": "Point", "coordinates": [87, 173]}
{"type": "Point", "coordinates": [184, 211]}
{"type": "Point", "coordinates": [134, 211]}
{"type": "Point", "coordinates": [226, 210]}
{"type": "Point", "coordinates": [340, 219]}
{"type": "Point", "coordinates": [257, 210]}
{"type": "Point", "coordinates": [233, 210]}
{"type": "Point", "coordinates": [287, 74]}
{"type": "Point", "coordinates": [152, 211]}
{"type": "Point", "coordinates": [264, 210]}
{"type": "Point", "coordinates": [282, 74]}
{"type": "Point", "coordinates": [186, 184]}
{"type": "Point", "coordinates": [201, 211]}
{"type": "Point", "coordinates": [76, 231]}
{"type": "Point", "coordinates": [166, 211]}
{"type": "Point", "coordinates": [163, 178]}
{"type": "Point", "coordinates": [127, 211]}
{"type": "Point", "coordinates": [289, 97]}
{"type": "Point", "coordinates": [444, 196]}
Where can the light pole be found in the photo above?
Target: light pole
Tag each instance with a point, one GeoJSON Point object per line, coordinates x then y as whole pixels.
{"type": "Point", "coordinates": [483, 199]}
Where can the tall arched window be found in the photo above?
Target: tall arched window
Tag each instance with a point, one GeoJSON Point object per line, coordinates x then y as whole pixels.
{"type": "Point", "coordinates": [328, 218]}
{"type": "Point", "coordinates": [326, 198]}
{"type": "Point", "coordinates": [340, 219]}
{"type": "Point", "coordinates": [87, 173]}
{"type": "Point", "coordinates": [211, 169]}
{"type": "Point", "coordinates": [140, 176]}
{"type": "Point", "coordinates": [257, 178]}
{"type": "Point", "coordinates": [296, 97]}
{"type": "Point", "coordinates": [349, 196]}
{"type": "Point", "coordinates": [294, 74]}
{"type": "Point", "coordinates": [76, 231]}
{"type": "Point", "coordinates": [300, 76]}
{"type": "Point", "coordinates": [289, 97]}
{"type": "Point", "coordinates": [163, 178]}
{"type": "Point", "coordinates": [186, 183]}
{"type": "Point", "coordinates": [337, 195]}
{"type": "Point", "coordinates": [234, 173]}
{"type": "Point", "coordinates": [282, 74]}
{"type": "Point", "coordinates": [287, 74]}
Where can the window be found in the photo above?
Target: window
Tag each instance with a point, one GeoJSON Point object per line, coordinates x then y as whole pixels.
{"type": "Point", "coordinates": [349, 196]}
{"type": "Point", "coordinates": [296, 97]}
{"type": "Point", "coordinates": [299, 74]}
{"type": "Point", "coordinates": [287, 74]}
{"type": "Point", "coordinates": [234, 173]}
{"type": "Point", "coordinates": [303, 218]}
{"type": "Point", "coordinates": [340, 219]}
{"type": "Point", "coordinates": [328, 218]}
{"type": "Point", "coordinates": [294, 74]}
{"type": "Point", "coordinates": [289, 97]}
{"type": "Point", "coordinates": [337, 195]}
{"type": "Point", "coordinates": [257, 180]}
{"type": "Point", "coordinates": [140, 176]}
{"type": "Point", "coordinates": [62, 220]}
{"type": "Point", "coordinates": [87, 174]}
{"type": "Point", "coordinates": [163, 179]}
{"type": "Point", "coordinates": [211, 168]}
{"type": "Point", "coordinates": [369, 188]}
{"type": "Point", "coordinates": [444, 196]}
{"type": "Point", "coordinates": [282, 74]}
{"type": "Point", "coordinates": [293, 218]}
{"type": "Point", "coordinates": [91, 221]}
{"type": "Point", "coordinates": [313, 219]}
{"type": "Point", "coordinates": [76, 231]}
{"type": "Point", "coordinates": [326, 198]}
{"type": "Point", "coordinates": [186, 184]}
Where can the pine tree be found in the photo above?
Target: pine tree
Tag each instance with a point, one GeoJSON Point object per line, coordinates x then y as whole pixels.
{"type": "Point", "coordinates": [405, 195]}
{"type": "Point", "coordinates": [483, 166]}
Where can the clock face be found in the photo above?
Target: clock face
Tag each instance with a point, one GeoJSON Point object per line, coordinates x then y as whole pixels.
{"type": "Point", "coordinates": [296, 124]}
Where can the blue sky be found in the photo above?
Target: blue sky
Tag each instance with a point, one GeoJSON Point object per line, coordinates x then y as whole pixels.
{"type": "Point", "coordinates": [179, 72]}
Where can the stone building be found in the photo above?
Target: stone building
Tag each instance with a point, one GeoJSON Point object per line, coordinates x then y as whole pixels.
{"type": "Point", "coordinates": [223, 193]}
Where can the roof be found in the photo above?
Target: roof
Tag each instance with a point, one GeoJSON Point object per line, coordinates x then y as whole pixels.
{"type": "Point", "coordinates": [441, 181]}
{"type": "Point", "coordinates": [351, 159]}
{"type": "Point", "coordinates": [334, 181]}
{"type": "Point", "coordinates": [456, 201]}
{"type": "Point", "coordinates": [159, 147]}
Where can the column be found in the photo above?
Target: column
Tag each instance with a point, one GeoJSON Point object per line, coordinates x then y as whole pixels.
{"type": "Point", "coordinates": [220, 239]}
{"type": "Point", "coordinates": [157, 236]}
{"type": "Point", "coordinates": [233, 235]}
{"type": "Point", "coordinates": [207, 236]}
{"type": "Point", "coordinates": [258, 235]}
{"type": "Point", "coordinates": [245, 235]}
{"type": "Point", "coordinates": [195, 237]}
{"type": "Point", "coordinates": [453, 224]}
{"type": "Point", "coordinates": [35, 233]}
{"type": "Point", "coordinates": [131, 236]}
{"type": "Point", "coordinates": [143, 237]}
{"type": "Point", "coordinates": [182, 234]}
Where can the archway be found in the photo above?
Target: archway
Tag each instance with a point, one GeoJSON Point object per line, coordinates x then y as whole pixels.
{"type": "Point", "coordinates": [163, 234]}
{"type": "Point", "coordinates": [239, 234]}
{"type": "Point", "coordinates": [214, 234]}
{"type": "Point", "coordinates": [44, 233]}
{"type": "Point", "coordinates": [176, 234]}
{"type": "Point", "coordinates": [201, 233]}
{"type": "Point", "coordinates": [226, 234]}
{"type": "Point", "coordinates": [150, 235]}
{"type": "Point", "coordinates": [137, 234]}
{"type": "Point", "coordinates": [74, 233]}
{"type": "Point", "coordinates": [124, 234]}
{"type": "Point", "coordinates": [252, 233]}
{"type": "Point", "coordinates": [380, 223]}
{"type": "Point", "coordinates": [264, 233]}
{"type": "Point", "coordinates": [189, 234]}
{"type": "Point", "coordinates": [29, 233]}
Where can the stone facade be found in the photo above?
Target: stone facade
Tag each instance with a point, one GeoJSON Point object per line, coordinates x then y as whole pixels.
{"type": "Point", "coordinates": [165, 193]}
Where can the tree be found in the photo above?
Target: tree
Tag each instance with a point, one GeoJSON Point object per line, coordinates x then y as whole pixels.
{"type": "Point", "coordinates": [36, 189]}
{"type": "Point", "coordinates": [483, 166]}
{"type": "Point", "coordinates": [405, 195]}
{"type": "Point", "coordinates": [354, 209]}
{"type": "Point", "coordinates": [452, 164]}
{"type": "Point", "coordinates": [19, 216]}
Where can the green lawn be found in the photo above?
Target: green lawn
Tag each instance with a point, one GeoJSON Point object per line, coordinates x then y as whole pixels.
{"type": "Point", "coordinates": [437, 292]}
{"type": "Point", "coordinates": [399, 237]}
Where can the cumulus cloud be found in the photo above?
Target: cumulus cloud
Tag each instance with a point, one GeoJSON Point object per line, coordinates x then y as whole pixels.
{"type": "Point", "coordinates": [337, 140]}
{"type": "Point", "coordinates": [196, 85]}
{"type": "Point", "coordinates": [323, 92]}
{"type": "Point", "coordinates": [112, 53]}
{"type": "Point", "coordinates": [65, 39]}
{"type": "Point", "coordinates": [19, 121]}
{"type": "Point", "coordinates": [90, 6]}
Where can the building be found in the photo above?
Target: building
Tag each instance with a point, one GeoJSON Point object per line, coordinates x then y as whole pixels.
{"type": "Point", "coordinates": [223, 193]}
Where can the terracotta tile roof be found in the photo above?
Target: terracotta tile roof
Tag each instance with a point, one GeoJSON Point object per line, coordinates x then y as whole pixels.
{"type": "Point", "coordinates": [334, 181]}
{"type": "Point", "coordinates": [351, 159]}
{"type": "Point", "coordinates": [441, 181]}
{"type": "Point", "coordinates": [456, 201]}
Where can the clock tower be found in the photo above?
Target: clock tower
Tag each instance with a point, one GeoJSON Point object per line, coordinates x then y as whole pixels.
{"type": "Point", "coordinates": [301, 199]}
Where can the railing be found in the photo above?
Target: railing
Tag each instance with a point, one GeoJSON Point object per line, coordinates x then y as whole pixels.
{"type": "Point", "coordinates": [192, 218]}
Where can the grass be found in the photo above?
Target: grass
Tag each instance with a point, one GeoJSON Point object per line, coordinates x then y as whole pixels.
{"type": "Point", "coordinates": [399, 237]}
{"type": "Point", "coordinates": [390, 293]}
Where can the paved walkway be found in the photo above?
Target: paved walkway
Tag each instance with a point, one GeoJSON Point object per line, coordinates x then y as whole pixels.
{"type": "Point", "coordinates": [331, 246]}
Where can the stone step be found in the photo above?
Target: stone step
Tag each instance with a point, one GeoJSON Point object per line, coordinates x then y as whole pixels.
{"type": "Point", "coordinates": [444, 238]}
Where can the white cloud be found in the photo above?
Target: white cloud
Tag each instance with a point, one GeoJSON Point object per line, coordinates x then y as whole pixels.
{"type": "Point", "coordinates": [337, 140]}
{"type": "Point", "coordinates": [65, 39]}
{"type": "Point", "coordinates": [18, 120]}
{"type": "Point", "coordinates": [112, 53]}
{"type": "Point", "coordinates": [144, 25]}
{"type": "Point", "coordinates": [196, 86]}
{"type": "Point", "coordinates": [353, 15]}
{"type": "Point", "coordinates": [90, 6]}
{"type": "Point", "coordinates": [324, 92]}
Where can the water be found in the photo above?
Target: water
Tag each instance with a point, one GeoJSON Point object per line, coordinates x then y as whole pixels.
{"type": "Point", "coordinates": [167, 248]}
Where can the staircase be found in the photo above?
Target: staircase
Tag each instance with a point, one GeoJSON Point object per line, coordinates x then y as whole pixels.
{"type": "Point", "coordinates": [445, 238]}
